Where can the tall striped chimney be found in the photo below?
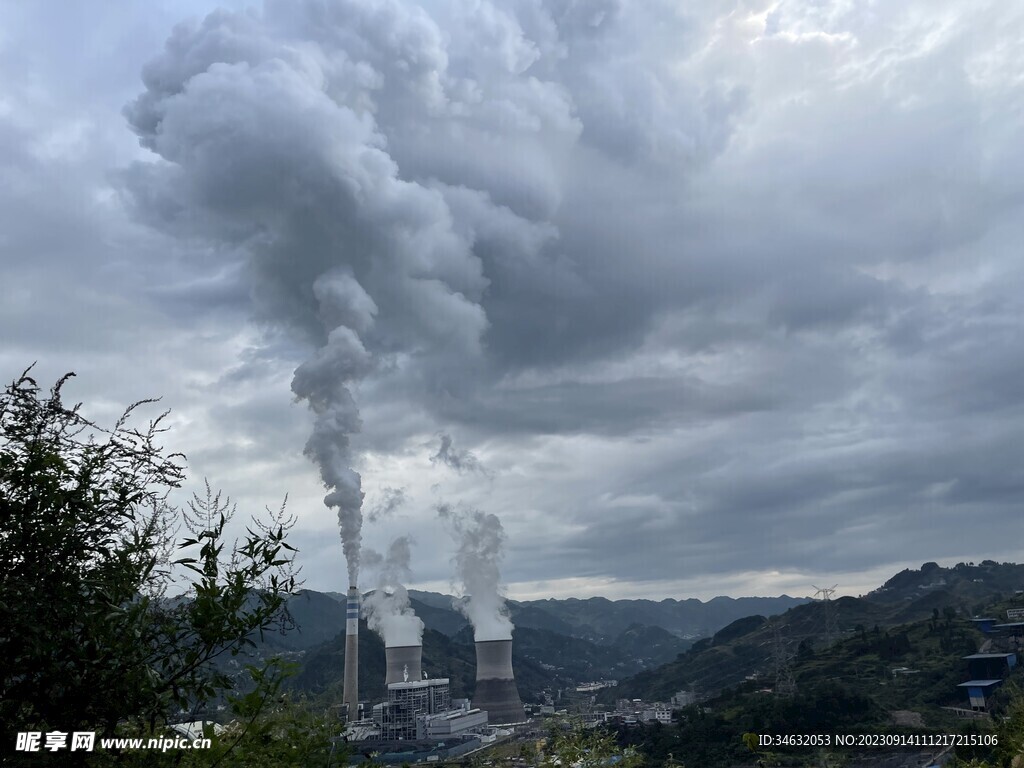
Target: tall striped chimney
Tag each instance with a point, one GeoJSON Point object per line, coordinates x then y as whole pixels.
{"type": "Point", "coordinates": [350, 694]}
{"type": "Point", "coordinates": [495, 685]}
{"type": "Point", "coordinates": [404, 663]}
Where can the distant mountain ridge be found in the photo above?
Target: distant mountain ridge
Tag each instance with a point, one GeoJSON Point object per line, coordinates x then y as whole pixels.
{"type": "Point", "coordinates": [557, 643]}
{"type": "Point", "coordinates": [601, 620]}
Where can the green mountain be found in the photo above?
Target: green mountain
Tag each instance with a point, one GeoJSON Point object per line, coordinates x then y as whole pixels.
{"type": "Point", "coordinates": [876, 679]}
{"type": "Point", "coordinates": [745, 648]}
{"type": "Point", "coordinates": [645, 647]}
{"type": "Point", "coordinates": [315, 619]}
{"type": "Point", "coordinates": [966, 584]}
{"type": "Point", "coordinates": [567, 660]}
{"type": "Point", "coordinates": [602, 621]}
{"type": "Point", "coordinates": [440, 619]}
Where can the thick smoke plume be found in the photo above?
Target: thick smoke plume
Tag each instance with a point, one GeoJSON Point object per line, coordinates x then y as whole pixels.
{"type": "Point", "coordinates": [378, 168]}
{"type": "Point", "coordinates": [271, 154]}
{"type": "Point", "coordinates": [479, 538]}
{"type": "Point", "coordinates": [324, 382]}
{"type": "Point", "coordinates": [388, 612]}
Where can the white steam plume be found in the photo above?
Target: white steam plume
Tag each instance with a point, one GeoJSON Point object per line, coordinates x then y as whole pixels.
{"type": "Point", "coordinates": [479, 537]}
{"type": "Point", "coordinates": [388, 612]}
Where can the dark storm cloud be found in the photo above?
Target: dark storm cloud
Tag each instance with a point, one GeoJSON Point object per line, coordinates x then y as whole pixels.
{"type": "Point", "coordinates": [460, 460]}
{"type": "Point", "coordinates": [716, 288]}
{"type": "Point", "coordinates": [632, 286]}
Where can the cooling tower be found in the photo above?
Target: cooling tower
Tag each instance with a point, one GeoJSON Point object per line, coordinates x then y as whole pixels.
{"type": "Point", "coordinates": [350, 694]}
{"type": "Point", "coordinates": [403, 663]}
{"type": "Point", "coordinates": [495, 686]}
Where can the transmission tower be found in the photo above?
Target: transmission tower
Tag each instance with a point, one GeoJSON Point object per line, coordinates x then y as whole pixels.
{"type": "Point", "coordinates": [782, 656]}
{"type": "Point", "coordinates": [830, 621]}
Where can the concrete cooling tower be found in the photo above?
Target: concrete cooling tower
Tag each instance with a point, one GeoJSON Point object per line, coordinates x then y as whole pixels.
{"type": "Point", "coordinates": [404, 663]}
{"type": "Point", "coordinates": [350, 692]}
{"type": "Point", "coordinates": [495, 686]}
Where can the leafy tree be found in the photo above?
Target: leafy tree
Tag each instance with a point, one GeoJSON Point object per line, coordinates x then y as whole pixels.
{"type": "Point", "coordinates": [1010, 751]}
{"type": "Point", "coordinates": [88, 637]}
{"type": "Point", "coordinates": [270, 730]}
{"type": "Point", "coordinates": [574, 744]}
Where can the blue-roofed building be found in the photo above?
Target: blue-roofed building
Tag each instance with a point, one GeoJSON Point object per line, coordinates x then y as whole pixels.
{"type": "Point", "coordinates": [979, 691]}
{"type": "Point", "coordinates": [1012, 628]}
{"type": "Point", "coordinates": [984, 625]}
{"type": "Point", "coordinates": [986, 666]}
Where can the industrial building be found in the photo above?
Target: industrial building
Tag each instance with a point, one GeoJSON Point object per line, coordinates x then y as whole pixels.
{"type": "Point", "coordinates": [658, 711]}
{"type": "Point", "coordinates": [423, 710]}
{"type": "Point", "coordinates": [419, 721]}
{"type": "Point", "coordinates": [978, 693]}
{"type": "Point", "coordinates": [988, 669]}
{"type": "Point", "coordinates": [406, 701]}
{"type": "Point", "coordinates": [452, 723]}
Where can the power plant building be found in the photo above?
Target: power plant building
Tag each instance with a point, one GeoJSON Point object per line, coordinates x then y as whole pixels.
{"type": "Point", "coordinates": [422, 709]}
{"type": "Point", "coordinates": [419, 714]}
{"type": "Point", "coordinates": [448, 724]}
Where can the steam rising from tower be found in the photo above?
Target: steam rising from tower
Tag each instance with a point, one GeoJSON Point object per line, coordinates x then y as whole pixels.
{"type": "Point", "coordinates": [388, 611]}
{"type": "Point", "coordinates": [479, 537]}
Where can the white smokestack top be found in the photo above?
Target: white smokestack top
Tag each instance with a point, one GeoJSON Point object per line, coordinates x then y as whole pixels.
{"type": "Point", "coordinates": [479, 537]}
{"type": "Point", "coordinates": [350, 691]}
{"type": "Point", "coordinates": [388, 611]}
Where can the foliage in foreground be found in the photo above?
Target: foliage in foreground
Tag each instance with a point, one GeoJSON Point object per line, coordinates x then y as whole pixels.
{"type": "Point", "coordinates": [89, 640]}
{"type": "Point", "coordinates": [574, 744]}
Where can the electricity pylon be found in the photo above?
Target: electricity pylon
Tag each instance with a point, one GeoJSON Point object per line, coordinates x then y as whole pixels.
{"type": "Point", "coordinates": [829, 614]}
{"type": "Point", "coordinates": [785, 685]}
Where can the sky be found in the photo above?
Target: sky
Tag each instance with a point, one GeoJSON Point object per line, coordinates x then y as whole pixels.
{"type": "Point", "coordinates": [695, 298]}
